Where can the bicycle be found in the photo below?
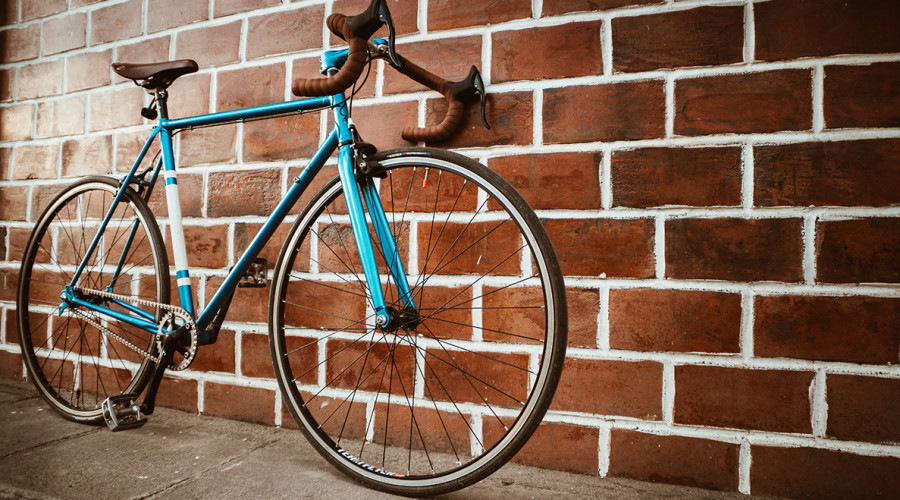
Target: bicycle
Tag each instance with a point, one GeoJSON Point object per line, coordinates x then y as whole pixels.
{"type": "Point", "coordinates": [417, 314]}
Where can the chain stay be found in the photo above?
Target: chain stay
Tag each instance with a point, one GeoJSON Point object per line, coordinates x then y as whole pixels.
{"type": "Point", "coordinates": [172, 311]}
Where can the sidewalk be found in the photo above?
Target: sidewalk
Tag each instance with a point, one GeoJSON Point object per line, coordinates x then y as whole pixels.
{"type": "Point", "coordinates": [181, 455]}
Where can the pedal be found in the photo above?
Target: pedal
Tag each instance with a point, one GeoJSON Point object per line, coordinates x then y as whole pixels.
{"type": "Point", "coordinates": [255, 276]}
{"type": "Point", "coordinates": [122, 412]}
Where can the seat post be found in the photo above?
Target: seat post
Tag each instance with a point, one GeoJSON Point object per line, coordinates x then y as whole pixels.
{"type": "Point", "coordinates": [161, 96]}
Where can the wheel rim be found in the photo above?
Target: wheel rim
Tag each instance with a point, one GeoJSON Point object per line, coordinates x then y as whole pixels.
{"type": "Point", "coordinates": [472, 382]}
{"type": "Point", "coordinates": [72, 363]}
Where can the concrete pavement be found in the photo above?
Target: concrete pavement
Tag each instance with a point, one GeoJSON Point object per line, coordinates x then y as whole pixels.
{"type": "Point", "coordinates": [182, 455]}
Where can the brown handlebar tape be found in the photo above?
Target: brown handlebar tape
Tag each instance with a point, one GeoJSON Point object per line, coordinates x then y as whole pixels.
{"type": "Point", "coordinates": [455, 108]}
{"type": "Point", "coordinates": [349, 72]}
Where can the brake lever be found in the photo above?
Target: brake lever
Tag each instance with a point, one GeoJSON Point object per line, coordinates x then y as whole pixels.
{"type": "Point", "coordinates": [365, 25]}
{"type": "Point", "coordinates": [470, 88]}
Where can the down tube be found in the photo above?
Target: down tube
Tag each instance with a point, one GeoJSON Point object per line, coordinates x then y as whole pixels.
{"type": "Point", "coordinates": [271, 225]}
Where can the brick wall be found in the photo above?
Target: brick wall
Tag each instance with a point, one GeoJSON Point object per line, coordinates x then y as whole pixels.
{"type": "Point", "coordinates": [721, 179]}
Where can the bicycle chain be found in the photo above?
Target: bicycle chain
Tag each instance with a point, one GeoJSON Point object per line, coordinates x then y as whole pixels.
{"type": "Point", "coordinates": [172, 311]}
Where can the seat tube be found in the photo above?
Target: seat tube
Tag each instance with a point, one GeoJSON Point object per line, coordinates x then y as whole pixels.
{"type": "Point", "coordinates": [176, 226]}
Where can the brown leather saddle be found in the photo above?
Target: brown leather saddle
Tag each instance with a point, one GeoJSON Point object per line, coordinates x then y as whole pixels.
{"type": "Point", "coordinates": [155, 76]}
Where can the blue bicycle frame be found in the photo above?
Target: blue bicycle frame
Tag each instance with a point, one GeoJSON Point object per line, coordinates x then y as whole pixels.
{"type": "Point", "coordinates": [340, 138]}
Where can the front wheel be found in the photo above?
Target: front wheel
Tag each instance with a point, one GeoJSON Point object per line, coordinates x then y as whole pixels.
{"type": "Point", "coordinates": [455, 384]}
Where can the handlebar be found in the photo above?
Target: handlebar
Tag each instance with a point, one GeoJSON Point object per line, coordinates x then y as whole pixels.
{"type": "Point", "coordinates": [357, 30]}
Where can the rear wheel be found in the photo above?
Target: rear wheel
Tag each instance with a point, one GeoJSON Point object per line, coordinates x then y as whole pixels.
{"type": "Point", "coordinates": [457, 382]}
{"type": "Point", "coordinates": [74, 364]}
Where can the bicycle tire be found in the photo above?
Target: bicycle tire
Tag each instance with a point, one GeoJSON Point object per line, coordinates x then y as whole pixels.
{"type": "Point", "coordinates": [471, 377]}
{"type": "Point", "coordinates": [72, 364]}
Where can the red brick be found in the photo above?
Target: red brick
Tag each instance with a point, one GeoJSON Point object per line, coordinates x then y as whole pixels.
{"type": "Point", "coordinates": [858, 251]}
{"type": "Point", "coordinates": [253, 192]}
{"type": "Point", "coordinates": [227, 7]}
{"type": "Point", "coordinates": [604, 247]}
{"type": "Point", "coordinates": [88, 70]}
{"type": "Point", "coordinates": [4, 162]}
{"type": "Point", "coordinates": [281, 138]}
{"type": "Point", "coordinates": [385, 368]}
{"type": "Point", "coordinates": [87, 156]}
{"type": "Point", "coordinates": [584, 309]}
{"type": "Point", "coordinates": [178, 393]}
{"type": "Point", "coordinates": [189, 96]}
{"type": "Point", "coordinates": [207, 246]}
{"type": "Point", "coordinates": [851, 329]}
{"type": "Point", "coordinates": [244, 234]}
{"type": "Point", "coordinates": [567, 50]}
{"type": "Point", "coordinates": [116, 108]}
{"type": "Point", "coordinates": [63, 33]}
{"type": "Point", "coordinates": [461, 54]}
{"type": "Point", "coordinates": [555, 180]}
{"type": "Point", "coordinates": [9, 278]}
{"type": "Point", "coordinates": [162, 14]}
{"type": "Point", "coordinates": [249, 305]}
{"type": "Point", "coordinates": [10, 12]}
{"type": "Point", "coordinates": [510, 115]}
{"type": "Point", "coordinates": [543, 448]}
{"type": "Point", "coordinates": [644, 319]}
{"type": "Point", "coordinates": [152, 49]}
{"type": "Point", "coordinates": [607, 387]}
{"type": "Point", "coordinates": [15, 122]}
{"type": "Point", "coordinates": [3, 256]}
{"type": "Point", "coordinates": [6, 84]}
{"type": "Point", "coordinates": [249, 404]}
{"type": "Point", "coordinates": [36, 162]}
{"type": "Point", "coordinates": [13, 206]}
{"type": "Point", "coordinates": [863, 408]}
{"type": "Point", "coordinates": [10, 363]}
{"type": "Point", "coordinates": [765, 400]}
{"type": "Point", "coordinates": [256, 360]}
{"type": "Point", "coordinates": [64, 117]}
{"type": "Point", "coordinates": [217, 357]}
{"type": "Point", "coordinates": [404, 13]}
{"type": "Point", "coordinates": [653, 177]}
{"type": "Point", "coordinates": [20, 44]}
{"type": "Point", "coordinates": [556, 7]}
{"type": "Point", "coordinates": [788, 29]}
{"type": "Point", "coordinates": [734, 249]}
{"type": "Point", "coordinates": [324, 175]}
{"type": "Point", "coordinates": [843, 173]}
{"type": "Point", "coordinates": [816, 473]}
{"type": "Point", "coordinates": [461, 13]}
{"type": "Point", "coordinates": [371, 121]}
{"type": "Point", "coordinates": [39, 80]}
{"type": "Point", "coordinates": [285, 31]}
{"type": "Point", "coordinates": [527, 324]}
{"type": "Point", "coordinates": [325, 305]}
{"type": "Point", "coordinates": [610, 112]}
{"type": "Point", "coordinates": [862, 96]}
{"type": "Point", "coordinates": [210, 46]}
{"type": "Point", "coordinates": [34, 10]}
{"type": "Point", "coordinates": [771, 101]}
{"type": "Point", "coordinates": [208, 145]}
{"type": "Point", "coordinates": [267, 88]}
{"type": "Point", "coordinates": [18, 240]}
{"type": "Point", "coordinates": [480, 247]}
{"type": "Point", "coordinates": [698, 37]}
{"type": "Point", "coordinates": [116, 22]}
{"type": "Point", "coordinates": [701, 463]}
